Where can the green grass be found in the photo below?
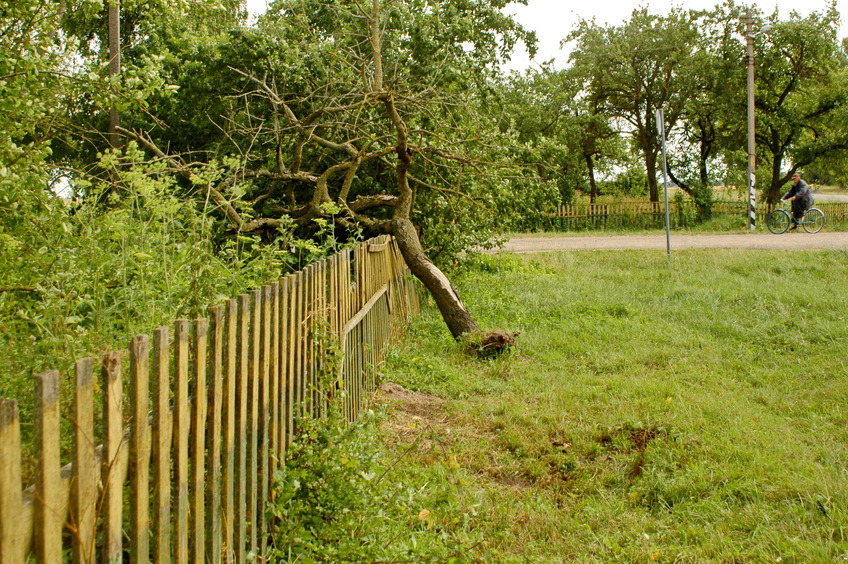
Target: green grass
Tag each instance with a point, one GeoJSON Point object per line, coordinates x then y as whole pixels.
{"type": "Point", "coordinates": [684, 410]}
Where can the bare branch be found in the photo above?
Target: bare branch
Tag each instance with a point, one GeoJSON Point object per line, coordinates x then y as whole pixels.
{"type": "Point", "coordinates": [185, 171]}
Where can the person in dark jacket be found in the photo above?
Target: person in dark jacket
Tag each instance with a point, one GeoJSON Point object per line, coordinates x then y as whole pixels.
{"type": "Point", "coordinates": [801, 197]}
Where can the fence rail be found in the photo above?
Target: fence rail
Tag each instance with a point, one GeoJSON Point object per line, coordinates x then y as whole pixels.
{"type": "Point", "coordinates": [179, 465]}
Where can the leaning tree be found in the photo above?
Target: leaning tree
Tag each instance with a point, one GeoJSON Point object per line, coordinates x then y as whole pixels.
{"type": "Point", "coordinates": [368, 115]}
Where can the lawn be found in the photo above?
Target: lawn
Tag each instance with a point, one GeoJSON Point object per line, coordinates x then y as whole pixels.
{"type": "Point", "coordinates": [683, 410]}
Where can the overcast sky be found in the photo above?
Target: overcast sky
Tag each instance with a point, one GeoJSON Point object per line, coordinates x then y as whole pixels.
{"type": "Point", "coordinates": [552, 20]}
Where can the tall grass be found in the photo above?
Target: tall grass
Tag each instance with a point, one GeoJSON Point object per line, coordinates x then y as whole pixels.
{"type": "Point", "coordinates": [684, 410]}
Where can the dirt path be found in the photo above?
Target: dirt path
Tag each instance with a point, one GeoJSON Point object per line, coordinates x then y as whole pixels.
{"type": "Point", "coordinates": [787, 241]}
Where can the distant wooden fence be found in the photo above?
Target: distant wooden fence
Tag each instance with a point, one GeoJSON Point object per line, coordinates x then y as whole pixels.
{"type": "Point", "coordinates": [179, 466]}
{"type": "Point", "coordinates": [652, 214]}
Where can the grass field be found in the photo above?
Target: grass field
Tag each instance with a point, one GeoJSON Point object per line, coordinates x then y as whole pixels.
{"type": "Point", "coordinates": [655, 410]}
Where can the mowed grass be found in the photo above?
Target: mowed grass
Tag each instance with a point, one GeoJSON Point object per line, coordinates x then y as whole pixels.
{"type": "Point", "coordinates": [655, 410]}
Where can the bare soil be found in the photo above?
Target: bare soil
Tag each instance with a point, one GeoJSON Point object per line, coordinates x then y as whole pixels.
{"type": "Point", "coordinates": [788, 241]}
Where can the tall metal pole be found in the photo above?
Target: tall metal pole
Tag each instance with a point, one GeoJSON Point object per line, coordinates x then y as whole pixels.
{"type": "Point", "coordinates": [752, 158]}
{"type": "Point", "coordinates": [661, 130]}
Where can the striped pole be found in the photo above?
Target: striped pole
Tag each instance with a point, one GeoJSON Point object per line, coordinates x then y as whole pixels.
{"type": "Point", "coordinates": [752, 158]}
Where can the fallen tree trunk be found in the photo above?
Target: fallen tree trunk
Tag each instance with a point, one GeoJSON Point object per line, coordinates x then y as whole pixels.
{"type": "Point", "coordinates": [454, 312]}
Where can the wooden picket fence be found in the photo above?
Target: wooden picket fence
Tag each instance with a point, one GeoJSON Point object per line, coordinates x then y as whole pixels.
{"type": "Point", "coordinates": [179, 466]}
{"type": "Point", "coordinates": [652, 214]}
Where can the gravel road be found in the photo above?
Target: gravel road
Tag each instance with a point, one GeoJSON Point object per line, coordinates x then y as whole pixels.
{"type": "Point", "coordinates": [787, 241]}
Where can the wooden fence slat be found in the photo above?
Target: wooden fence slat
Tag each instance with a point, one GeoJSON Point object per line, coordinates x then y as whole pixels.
{"type": "Point", "coordinates": [309, 326]}
{"type": "Point", "coordinates": [298, 340]}
{"type": "Point", "coordinates": [265, 418]}
{"type": "Point", "coordinates": [253, 423]}
{"type": "Point", "coordinates": [197, 542]}
{"type": "Point", "coordinates": [181, 441]}
{"type": "Point", "coordinates": [140, 449]}
{"type": "Point", "coordinates": [162, 423]}
{"type": "Point", "coordinates": [241, 513]}
{"type": "Point", "coordinates": [274, 390]}
{"type": "Point", "coordinates": [214, 427]}
{"type": "Point", "coordinates": [12, 549]}
{"type": "Point", "coordinates": [289, 355]}
{"type": "Point", "coordinates": [48, 519]}
{"type": "Point", "coordinates": [113, 427]}
{"type": "Point", "coordinates": [229, 431]}
{"type": "Point", "coordinates": [83, 509]}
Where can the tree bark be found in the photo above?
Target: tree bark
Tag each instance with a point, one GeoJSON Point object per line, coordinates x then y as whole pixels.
{"type": "Point", "coordinates": [593, 186]}
{"type": "Point", "coordinates": [454, 313]}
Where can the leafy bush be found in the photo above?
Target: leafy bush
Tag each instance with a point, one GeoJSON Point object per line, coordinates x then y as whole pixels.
{"type": "Point", "coordinates": [341, 498]}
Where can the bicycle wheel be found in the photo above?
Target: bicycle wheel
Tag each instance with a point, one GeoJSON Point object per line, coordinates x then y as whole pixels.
{"type": "Point", "coordinates": [778, 221]}
{"type": "Point", "coordinates": [814, 220]}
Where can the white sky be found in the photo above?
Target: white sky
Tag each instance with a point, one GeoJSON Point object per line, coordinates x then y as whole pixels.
{"type": "Point", "coordinates": [552, 20]}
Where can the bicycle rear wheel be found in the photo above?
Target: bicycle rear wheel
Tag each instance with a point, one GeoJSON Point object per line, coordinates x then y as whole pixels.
{"type": "Point", "coordinates": [778, 221]}
{"type": "Point", "coordinates": [814, 220]}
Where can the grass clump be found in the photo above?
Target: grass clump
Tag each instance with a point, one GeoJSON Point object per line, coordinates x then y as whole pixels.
{"type": "Point", "coordinates": [653, 410]}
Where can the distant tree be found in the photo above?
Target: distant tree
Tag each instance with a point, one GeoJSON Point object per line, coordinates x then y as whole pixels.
{"type": "Point", "coordinates": [565, 135]}
{"type": "Point", "coordinates": [712, 123]}
{"type": "Point", "coordinates": [801, 96]}
{"type": "Point", "coordinates": [635, 69]}
{"type": "Point", "coordinates": [369, 116]}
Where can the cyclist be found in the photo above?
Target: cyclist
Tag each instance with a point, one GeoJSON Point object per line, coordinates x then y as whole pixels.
{"type": "Point", "coordinates": [801, 197]}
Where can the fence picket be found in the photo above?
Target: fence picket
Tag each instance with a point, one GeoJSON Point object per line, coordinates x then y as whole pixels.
{"type": "Point", "coordinates": [48, 537]}
{"type": "Point", "coordinates": [112, 442]}
{"type": "Point", "coordinates": [289, 334]}
{"type": "Point", "coordinates": [181, 441]}
{"type": "Point", "coordinates": [214, 435]}
{"type": "Point", "coordinates": [161, 447]}
{"type": "Point", "coordinates": [140, 449]}
{"type": "Point", "coordinates": [12, 549]}
{"type": "Point", "coordinates": [253, 423]}
{"type": "Point", "coordinates": [241, 513]}
{"type": "Point", "coordinates": [265, 419]}
{"type": "Point", "coordinates": [83, 511]}
{"type": "Point", "coordinates": [198, 443]}
{"type": "Point", "coordinates": [229, 431]}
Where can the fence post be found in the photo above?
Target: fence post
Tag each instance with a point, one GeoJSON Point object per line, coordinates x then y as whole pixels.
{"type": "Point", "coordinates": [48, 522]}
{"type": "Point", "coordinates": [181, 440]}
{"type": "Point", "coordinates": [83, 509]}
{"type": "Point", "coordinates": [113, 434]}
{"type": "Point", "coordinates": [161, 446]}
{"type": "Point", "coordinates": [12, 549]}
{"type": "Point", "coordinates": [214, 436]}
{"type": "Point", "coordinates": [229, 431]}
{"type": "Point", "coordinates": [198, 442]}
{"type": "Point", "coordinates": [140, 449]}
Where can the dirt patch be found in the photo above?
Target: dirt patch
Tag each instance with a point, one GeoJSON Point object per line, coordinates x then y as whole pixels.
{"type": "Point", "coordinates": [638, 438]}
{"type": "Point", "coordinates": [412, 415]}
{"type": "Point", "coordinates": [790, 241]}
{"type": "Point", "coordinates": [641, 437]}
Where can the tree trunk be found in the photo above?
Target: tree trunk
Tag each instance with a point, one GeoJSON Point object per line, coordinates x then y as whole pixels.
{"type": "Point", "coordinates": [593, 186]}
{"type": "Point", "coordinates": [454, 313]}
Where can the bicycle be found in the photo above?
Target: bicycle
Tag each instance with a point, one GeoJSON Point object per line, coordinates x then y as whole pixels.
{"type": "Point", "coordinates": [780, 219]}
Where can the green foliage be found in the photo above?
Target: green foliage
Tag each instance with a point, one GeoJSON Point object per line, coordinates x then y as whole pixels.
{"type": "Point", "coordinates": [80, 280]}
{"type": "Point", "coordinates": [802, 89]}
{"type": "Point", "coordinates": [341, 497]}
